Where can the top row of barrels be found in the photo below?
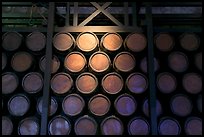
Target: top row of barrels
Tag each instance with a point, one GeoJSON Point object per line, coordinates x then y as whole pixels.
{"type": "Point", "coordinates": [88, 41]}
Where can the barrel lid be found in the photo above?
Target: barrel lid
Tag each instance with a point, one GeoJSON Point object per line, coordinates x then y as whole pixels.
{"type": "Point", "coordinates": [164, 41]}
{"type": "Point", "coordinates": [189, 41]}
{"type": "Point", "coordinates": [4, 60]}
{"type": "Point", "coordinates": [7, 126]}
{"type": "Point", "coordinates": [29, 126]}
{"type": "Point", "coordinates": [9, 82]}
{"type": "Point", "coordinates": [193, 126]}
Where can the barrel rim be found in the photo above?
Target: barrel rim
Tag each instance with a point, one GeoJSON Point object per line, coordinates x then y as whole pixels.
{"type": "Point", "coordinates": [188, 120]}
{"type": "Point", "coordinates": [99, 71]}
{"type": "Point", "coordinates": [10, 121]}
{"type": "Point", "coordinates": [73, 71]}
{"type": "Point", "coordinates": [28, 74]}
{"type": "Point", "coordinates": [127, 53]}
{"type": "Point", "coordinates": [65, 74]}
{"type": "Point", "coordinates": [115, 74]}
{"type": "Point", "coordinates": [137, 73]}
{"type": "Point", "coordinates": [83, 74]}
{"type": "Point", "coordinates": [95, 96]}
{"type": "Point", "coordinates": [85, 117]}
{"type": "Point", "coordinates": [4, 57]}
{"type": "Point", "coordinates": [75, 95]}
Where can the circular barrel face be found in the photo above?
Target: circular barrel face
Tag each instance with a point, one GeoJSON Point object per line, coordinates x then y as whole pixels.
{"type": "Point", "coordinates": [99, 62]}
{"type": "Point", "coordinates": [36, 41]}
{"type": "Point", "coordinates": [178, 61]}
{"type": "Point", "coordinates": [111, 41]}
{"type": "Point", "coordinates": [144, 65]}
{"type": "Point", "coordinates": [193, 126]}
{"type": "Point", "coordinates": [136, 42]}
{"type": "Point", "coordinates": [125, 105]}
{"type": "Point", "coordinates": [169, 126]}
{"type": "Point", "coordinates": [112, 126]}
{"type": "Point", "coordinates": [189, 41]}
{"type": "Point", "coordinates": [28, 126]}
{"type": "Point", "coordinates": [11, 41]}
{"type": "Point", "coordinates": [87, 41]}
{"type": "Point", "coordinates": [18, 105]}
{"type": "Point", "coordinates": [112, 83]}
{"type": "Point", "coordinates": [9, 82]}
{"type": "Point", "coordinates": [4, 61]}
{"type": "Point", "coordinates": [21, 61]}
{"type": "Point", "coordinates": [63, 41]}
{"type": "Point", "coordinates": [59, 125]}
{"type": "Point", "coordinates": [124, 62]}
{"type": "Point", "coordinates": [181, 105]}
{"type": "Point", "coordinates": [138, 126]}
{"type": "Point", "coordinates": [75, 62]}
{"type": "Point", "coordinates": [55, 64]}
{"type": "Point", "coordinates": [85, 125]}
{"type": "Point", "coordinates": [198, 61]}
{"type": "Point", "coordinates": [137, 83]}
{"type": "Point", "coordinates": [145, 108]}
{"type": "Point", "coordinates": [73, 104]}
{"type": "Point", "coordinates": [166, 82]}
{"type": "Point", "coordinates": [7, 126]}
{"type": "Point", "coordinates": [52, 107]}
{"type": "Point", "coordinates": [164, 42]}
{"type": "Point", "coordinates": [99, 105]}
{"type": "Point", "coordinates": [192, 83]}
{"type": "Point", "coordinates": [61, 83]}
{"type": "Point", "coordinates": [86, 83]}
{"type": "Point", "coordinates": [32, 82]}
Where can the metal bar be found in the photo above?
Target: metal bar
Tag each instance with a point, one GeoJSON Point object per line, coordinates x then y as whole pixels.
{"type": "Point", "coordinates": [98, 29]}
{"type": "Point", "coordinates": [126, 14]}
{"type": "Point", "coordinates": [134, 14]}
{"type": "Point", "coordinates": [47, 73]}
{"type": "Point", "coordinates": [107, 14]}
{"type": "Point", "coordinates": [152, 93]}
{"type": "Point", "coordinates": [75, 20]}
{"type": "Point", "coordinates": [68, 14]}
{"type": "Point", "coordinates": [94, 14]}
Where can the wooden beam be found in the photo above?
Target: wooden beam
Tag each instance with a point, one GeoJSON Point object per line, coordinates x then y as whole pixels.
{"type": "Point", "coordinates": [94, 14]}
{"type": "Point", "coordinates": [68, 14]}
{"type": "Point", "coordinates": [75, 20]}
{"type": "Point", "coordinates": [126, 14]}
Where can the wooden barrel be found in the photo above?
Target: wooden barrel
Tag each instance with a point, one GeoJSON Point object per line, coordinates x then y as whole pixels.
{"type": "Point", "coordinates": [112, 83]}
{"type": "Point", "coordinates": [192, 83]}
{"type": "Point", "coordinates": [29, 126]}
{"type": "Point", "coordinates": [59, 125]}
{"type": "Point", "coordinates": [125, 104]}
{"type": "Point", "coordinates": [189, 41]}
{"type": "Point", "coordinates": [4, 61]}
{"type": "Point", "coordinates": [61, 83]}
{"type": "Point", "coordinates": [137, 83]}
{"type": "Point", "coordinates": [112, 125]}
{"type": "Point", "coordinates": [193, 126]}
{"type": "Point", "coordinates": [36, 41]}
{"type": "Point", "coordinates": [99, 62]}
{"type": "Point", "coordinates": [198, 60]}
{"type": "Point", "coordinates": [32, 82]}
{"type": "Point", "coordinates": [199, 103]}
{"type": "Point", "coordinates": [169, 126]}
{"type": "Point", "coordinates": [87, 42]}
{"type": "Point", "coordinates": [135, 42]}
{"type": "Point", "coordinates": [9, 82]}
{"type": "Point", "coordinates": [18, 105]}
{"type": "Point", "coordinates": [7, 126]}
{"type": "Point", "coordinates": [11, 41]}
{"type": "Point", "coordinates": [111, 42]}
{"type": "Point", "coordinates": [86, 83]}
{"type": "Point", "coordinates": [146, 108]}
{"type": "Point", "coordinates": [138, 126]}
{"type": "Point", "coordinates": [53, 106]}
{"type": "Point", "coordinates": [164, 42]}
{"type": "Point", "coordinates": [55, 64]}
{"type": "Point", "coordinates": [75, 62]}
{"type": "Point", "coordinates": [73, 104]}
{"type": "Point", "coordinates": [166, 82]}
{"type": "Point", "coordinates": [85, 125]}
{"type": "Point", "coordinates": [181, 105]}
{"type": "Point", "coordinates": [178, 61]}
{"type": "Point", "coordinates": [63, 41]}
{"type": "Point", "coordinates": [99, 105]}
{"type": "Point", "coordinates": [21, 61]}
{"type": "Point", "coordinates": [144, 65]}
{"type": "Point", "coordinates": [124, 62]}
